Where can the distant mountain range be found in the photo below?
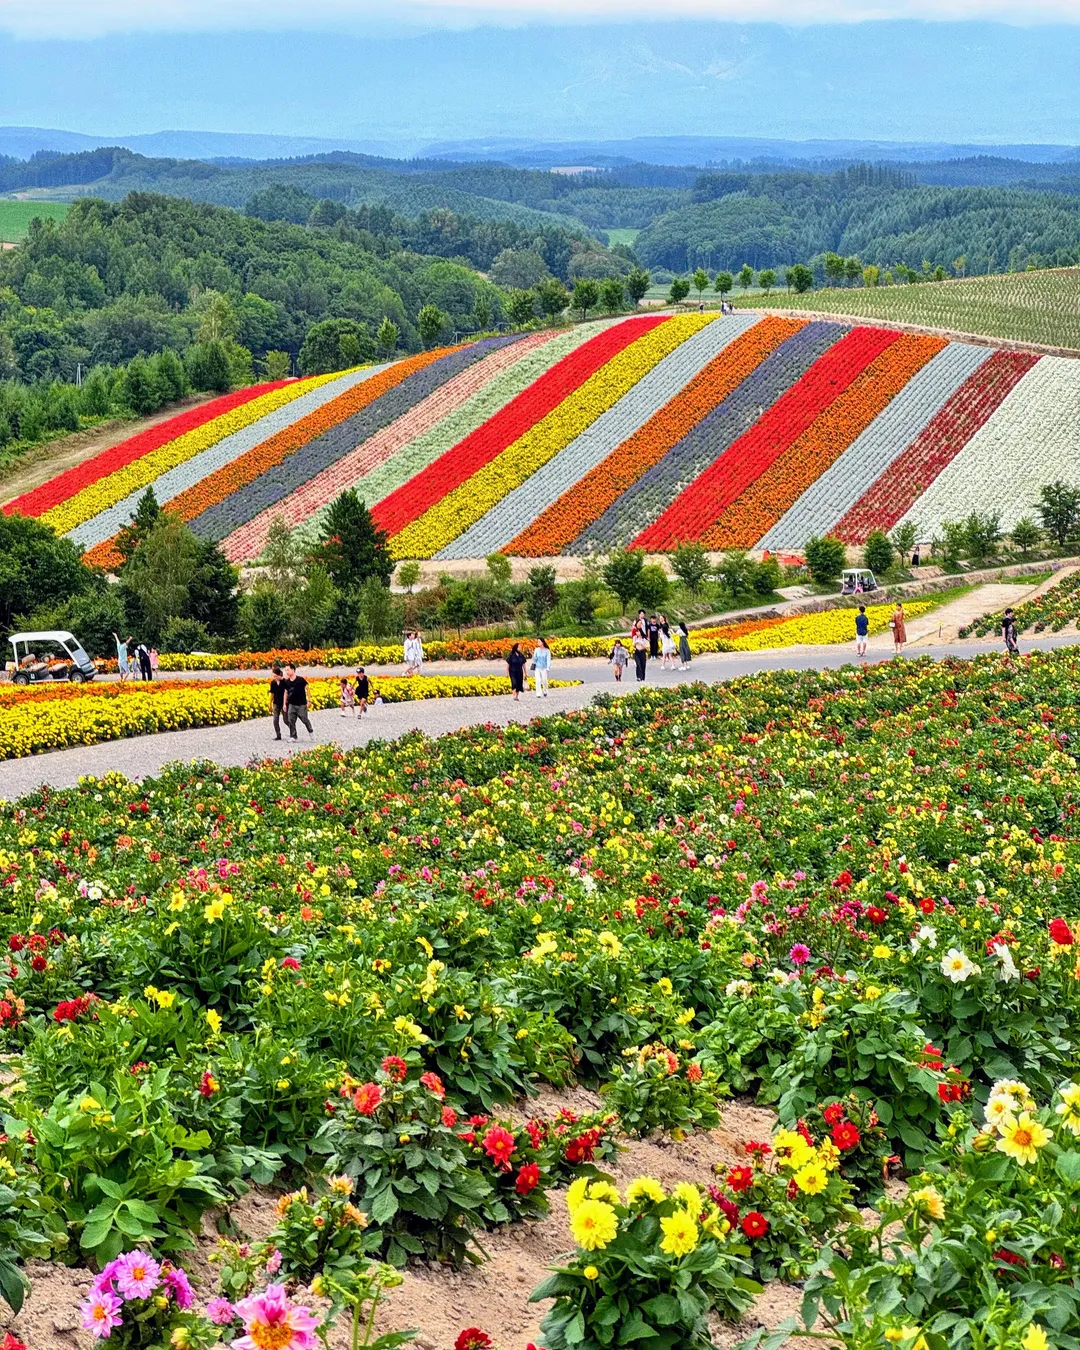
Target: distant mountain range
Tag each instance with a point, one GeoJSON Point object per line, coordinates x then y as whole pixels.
{"type": "Point", "coordinates": [22, 142]}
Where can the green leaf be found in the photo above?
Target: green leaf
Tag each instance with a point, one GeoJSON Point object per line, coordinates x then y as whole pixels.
{"type": "Point", "coordinates": [383, 1207]}
{"type": "Point", "coordinates": [663, 1310]}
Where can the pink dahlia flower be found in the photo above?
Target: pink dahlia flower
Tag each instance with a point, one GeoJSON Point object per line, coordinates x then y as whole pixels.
{"type": "Point", "coordinates": [271, 1319]}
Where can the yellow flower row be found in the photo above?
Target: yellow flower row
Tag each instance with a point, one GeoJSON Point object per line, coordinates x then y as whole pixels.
{"type": "Point", "coordinates": [33, 727]}
{"type": "Point", "coordinates": [140, 473]}
{"type": "Point", "coordinates": [834, 625]}
{"type": "Point", "coordinates": [464, 505]}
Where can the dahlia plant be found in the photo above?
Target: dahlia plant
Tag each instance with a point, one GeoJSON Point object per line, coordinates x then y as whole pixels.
{"type": "Point", "coordinates": [654, 1090]}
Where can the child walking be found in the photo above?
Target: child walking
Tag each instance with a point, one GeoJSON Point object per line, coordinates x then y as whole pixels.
{"type": "Point", "coordinates": [346, 698]}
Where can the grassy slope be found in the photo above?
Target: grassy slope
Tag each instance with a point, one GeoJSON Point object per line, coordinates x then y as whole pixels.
{"type": "Point", "coordinates": [15, 217]}
{"type": "Point", "coordinates": [1024, 306]}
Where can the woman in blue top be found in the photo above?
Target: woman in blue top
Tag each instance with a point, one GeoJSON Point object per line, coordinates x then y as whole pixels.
{"type": "Point", "coordinates": [541, 663]}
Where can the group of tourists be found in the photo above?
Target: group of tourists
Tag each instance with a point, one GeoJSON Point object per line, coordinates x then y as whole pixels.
{"type": "Point", "coordinates": [897, 627]}
{"type": "Point", "coordinates": [414, 654]}
{"type": "Point", "coordinates": [652, 638]}
{"type": "Point", "coordinates": [135, 660]}
{"type": "Point", "coordinates": [289, 698]}
{"type": "Point", "coordinates": [539, 668]}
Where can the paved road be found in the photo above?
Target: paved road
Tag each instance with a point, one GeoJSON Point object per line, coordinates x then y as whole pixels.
{"type": "Point", "coordinates": [244, 741]}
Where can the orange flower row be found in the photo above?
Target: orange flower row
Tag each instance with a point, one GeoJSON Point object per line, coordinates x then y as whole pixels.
{"type": "Point", "coordinates": [215, 487]}
{"type": "Point", "coordinates": [763, 503]}
{"type": "Point", "coordinates": [591, 496]}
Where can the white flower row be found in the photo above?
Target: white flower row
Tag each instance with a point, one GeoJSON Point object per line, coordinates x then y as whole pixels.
{"type": "Point", "coordinates": [170, 484]}
{"type": "Point", "coordinates": [1031, 439]}
{"type": "Point", "coordinates": [845, 481]}
{"type": "Point", "coordinates": [658, 387]}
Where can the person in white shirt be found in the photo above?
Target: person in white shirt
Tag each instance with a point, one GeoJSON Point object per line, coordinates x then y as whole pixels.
{"type": "Point", "coordinates": [541, 664]}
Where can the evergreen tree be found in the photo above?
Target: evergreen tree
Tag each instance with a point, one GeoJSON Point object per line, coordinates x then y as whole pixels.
{"type": "Point", "coordinates": [142, 522]}
{"type": "Point", "coordinates": [351, 548]}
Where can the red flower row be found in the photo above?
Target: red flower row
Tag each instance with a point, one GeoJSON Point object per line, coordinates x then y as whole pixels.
{"type": "Point", "coordinates": [67, 484]}
{"type": "Point", "coordinates": [938, 444]}
{"type": "Point", "coordinates": [480, 447]}
{"type": "Point", "coordinates": [701, 504]}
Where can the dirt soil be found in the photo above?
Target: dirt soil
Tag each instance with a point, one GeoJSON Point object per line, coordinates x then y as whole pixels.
{"type": "Point", "coordinates": [437, 1302]}
{"type": "Point", "coordinates": [37, 466]}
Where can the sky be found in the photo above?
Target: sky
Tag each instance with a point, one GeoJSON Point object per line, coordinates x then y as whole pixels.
{"type": "Point", "coordinates": [397, 75]}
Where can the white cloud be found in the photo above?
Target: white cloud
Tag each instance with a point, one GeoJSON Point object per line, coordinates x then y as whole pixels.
{"type": "Point", "coordinates": [84, 18]}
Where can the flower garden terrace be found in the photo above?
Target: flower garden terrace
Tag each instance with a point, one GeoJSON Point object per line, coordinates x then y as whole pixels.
{"type": "Point", "coordinates": [734, 431]}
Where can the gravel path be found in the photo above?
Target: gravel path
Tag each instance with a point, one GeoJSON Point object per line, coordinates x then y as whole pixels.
{"type": "Point", "coordinates": [241, 742]}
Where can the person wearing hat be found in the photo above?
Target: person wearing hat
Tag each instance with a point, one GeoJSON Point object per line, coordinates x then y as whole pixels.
{"type": "Point", "coordinates": [363, 690]}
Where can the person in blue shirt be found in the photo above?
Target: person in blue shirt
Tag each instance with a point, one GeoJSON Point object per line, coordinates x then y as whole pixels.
{"type": "Point", "coordinates": [862, 629]}
{"type": "Point", "coordinates": [541, 664]}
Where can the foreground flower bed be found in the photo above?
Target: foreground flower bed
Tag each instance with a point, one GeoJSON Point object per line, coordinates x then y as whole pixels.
{"type": "Point", "coordinates": [58, 718]}
{"type": "Point", "coordinates": [850, 893]}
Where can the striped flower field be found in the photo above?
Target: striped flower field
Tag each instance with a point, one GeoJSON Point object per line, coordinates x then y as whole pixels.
{"type": "Point", "coordinates": [733, 431]}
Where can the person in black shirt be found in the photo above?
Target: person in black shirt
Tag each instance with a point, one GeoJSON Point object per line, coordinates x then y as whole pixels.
{"type": "Point", "coordinates": [515, 668]}
{"type": "Point", "coordinates": [654, 636]}
{"type": "Point", "coordinates": [277, 699]}
{"type": "Point", "coordinates": [296, 702]}
{"type": "Point", "coordinates": [363, 690]}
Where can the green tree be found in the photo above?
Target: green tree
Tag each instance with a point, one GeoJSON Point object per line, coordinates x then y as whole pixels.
{"type": "Point", "coordinates": [408, 574]}
{"type": "Point", "coordinates": [430, 323]}
{"type": "Point", "coordinates": [637, 284]}
{"type": "Point", "coordinates": [678, 291]}
{"type": "Point", "coordinates": [276, 365]}
{"type": "Point", "coordinates": [264, 619]}
{"type": "Point", "coordinates": [93, 615]}
{"type": "Point", "coordinates": [1059, 510]}
{"type": "Point", "coordinates": [878, 552]}
{"type": "Point", "coordinates": [621, 573]}
{"type": "Point", "coordinates": [540, 593]}
{"type": "Point", "coordinates": [746, 276]}
{"type": "Point", "coordinates": [904, 537]}
{"type": "Point", "coordinates": [825, 558]}
{"type": "Point", "coordinates": [482, 311]}
{"type": "Point", "coordinates": [213, 597]}
{"type": "Point", "coordinates": [691, 565]}
{"type": "Point", "coordinates": [184, 635]}
{"type": "Point", "coordinates": [765, 577]}
{"type": "Point", "coordinates": [156, 579]}
{"type": "Point", "coordinates": [834, 269]}
{"type": "Point", "coordinates": [207, 365]}
{"type": "Point", "coordinates": [652, 587]}
{"type": "Point", "coordinates": [376, 616]}
{"type": "Point", "coordinates": [314, 605]}
{"type": "Point", "coordinates": [700, 280]}
{"type": "Point", "coordinates": [585, 296]}
{"type": "Point", "coordinates": [982, 534]}
{"type": "Point", "coordinates": [612, 295]}
{"type": "Point", "coordinates": [140, 525]}
{"type": "Point", "coordinates": [459, 606]}
{"type": "Point", "coordinates": [350, 546]}
{"type": "Point", "coordinates": [871, 275]}
{"type": "Point", "coordinates": [1025, 535]}
{"type": "Point", "coordinates": [138, 388]}
{"type": "Point", "coordinates": [580, 600]}
{"type": "Point", "coordinates": [952, 544]}
{"type": "Point", "coordinates": [216, 316]}
{"type": "Point", "coordinates": [499, 570]}
{"type": "Point", "coordinates": [734, 572]}
{"type": "Point", "coordinates": [521, 306]}
{"type": "Point", "coordinates": [552, 297]}
{"type": "Point", "coordinates": [335, 344]}
{"type": "Point", "coordinates": [724, 282]}
{"type": "Point", "coordinates": [766, 279]}
{"type": "Point", "coordinates": [852, 270]}
{"type": "Point", "coordinates": [799, 278]}
{"type": "Point", "coordinates": [387, 336]}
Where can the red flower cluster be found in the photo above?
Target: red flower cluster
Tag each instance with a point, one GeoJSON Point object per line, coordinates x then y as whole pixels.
{"type": "Point", "coordinates": [582, 1148]}
{"type": "Point", "coordinates": [499, 1144]}
{"type": "Point", "coordinates": [433, 1083]}
{"type": "Point", "coordinates": [1061, 932]}
{"type": "Point", "coordinates": [11, 1011]}
{"type": "Point", "coordinates": [472, 1338]}
{"type": "Point", "coordinates": [11, 1342]}
{"type": "Point", "coordinates": [70, 1010]}
{"type": "Point", "coordinates": [528, 1178]}
{"type": "Point", "coordinates": [367, 1097]}
{"type": "Point", "coordinates": [395, 1067]}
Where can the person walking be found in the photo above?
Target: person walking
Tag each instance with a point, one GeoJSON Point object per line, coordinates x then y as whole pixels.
{"type": "Point", "coordinates": [296, 709]}
{"type": "Point", "coordinates": [346, 697]}
{"type": "Point", "coordinates": [122, 661]}
{"type": "Point", "coordinates": [410, 654]}
{"type": "Point", "coordinates": [418, 651]}
{"type": "Point", "coordinates": [915, 558]}
{"type": "Point", "coordinates": [155, 657]}
{"type": "Point", "coordinates": [862, 631]}
{"type": "Point", "coordinates": [640, 643]}
{"type": "Point", "coordinates": [277, 699]}
{"type": "Point", "coordinates": [1008, 632]}
{"type": "Point", "coordinates": [142, 651]}
{"type": "Point", "coordinates": [899, 631]}
{"type": "Point", "coordinates": [362, 690]}
{"type": "Point", "coordinates": [640, 622]}
{"type": "Point", "coordinates": [654, 636]}
{"type": "Point", "coordinates": [515, 668]}
{"type": "Point", "coordinates": [684, 645]}
{"type": "Point", "coordinates": [667, 645]}
{"type": "Point", "coordinates": [619, 659]}
{"type": "Point", "coordinates": [541, 664]}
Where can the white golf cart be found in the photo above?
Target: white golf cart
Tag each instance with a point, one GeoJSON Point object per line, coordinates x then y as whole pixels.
{"type": "Point", "coordinates": [49, 656]}
{"type": "Point", "coordinates": [858, 581]}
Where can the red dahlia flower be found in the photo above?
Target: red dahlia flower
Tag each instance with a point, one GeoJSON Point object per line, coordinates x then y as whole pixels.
{"type": "Point", "coordinates": [528, 1178]}
{"type": "Point", "coordinates": [833, 1113]}
{"type": "Point", "coordinates": [472, 1338]}
{"type": "Point", "coordinates": [367, 1098]}
{"type": "Point", "coordinates": [499, 1144]}
{"type": "Point", "coordinates": [395, 1067]}
{"type": "Point", "coordinates": [754, 1224]}
{"type": "Point", "coordinates": [449, 1117]}
{"type": "Point", "coordinates": [1061, 932]}
{"type": "Point", "coordinates": [845, 1135]}
{"type": "Point", "coordinates": [740, 1178]}
{"type": "Point", "coordinates": [433, 1083]}
{"type": "Point", "coordinates": [694, 1073]}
